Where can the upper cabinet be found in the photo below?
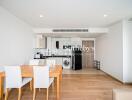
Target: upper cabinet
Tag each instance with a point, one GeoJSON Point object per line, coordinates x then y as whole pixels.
{"type": "Point", "coordinates": [41, 41]}
{"type": "Point", "coordinates": [77, 42]}
{"type": "Point", "coordinates": [53, 43]}
{"type": "Point", "coordinates": [58, 43]}
{"type": "Point", "coordinates": [49, 43]}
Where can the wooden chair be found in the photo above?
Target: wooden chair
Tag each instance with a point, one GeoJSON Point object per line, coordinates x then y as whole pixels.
{"type": "Point", "coordinates": [14, 79]}
{"type": "Point", "coordinates": [41, 79]}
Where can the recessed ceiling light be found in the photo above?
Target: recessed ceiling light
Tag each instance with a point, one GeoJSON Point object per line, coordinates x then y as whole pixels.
{"type": "Point", "coordinates": [41, 16]}
{"type": "Point", "coordinates": [105, 15]}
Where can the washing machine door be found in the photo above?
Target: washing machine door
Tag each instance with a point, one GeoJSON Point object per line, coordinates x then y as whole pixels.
{"type": "Point", "coordinates": [66, 63]}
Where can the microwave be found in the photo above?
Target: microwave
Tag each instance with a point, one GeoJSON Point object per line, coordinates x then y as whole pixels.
{"type": "Point", "coordinates": [66, 46]}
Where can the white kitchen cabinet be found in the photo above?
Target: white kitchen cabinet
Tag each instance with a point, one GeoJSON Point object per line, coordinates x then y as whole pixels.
{"type": "Point", "coordinates": [53, 43]}
{"type": "Point", "coordinates": [40, 41]}
{"type": "Point", "coordinates": [42, 62]}
{"type": "Point", "coordinates": [62, 41]}
{"type": "Point", "coordinates": [66, 41]}
{"type": "Point", "coordinates": [58, 60]}
{"type": "Point", "coordinates": [49, 43]}
{"type": "Point", "coordinates": [76, 42]}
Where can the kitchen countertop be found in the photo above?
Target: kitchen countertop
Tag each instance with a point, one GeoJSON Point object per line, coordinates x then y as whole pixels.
{"type": "Point", "coordinates": [44, 57]}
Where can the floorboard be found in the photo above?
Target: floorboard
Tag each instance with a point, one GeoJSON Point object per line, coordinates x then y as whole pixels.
{"type": "Point", "coordinates": [77, 87]}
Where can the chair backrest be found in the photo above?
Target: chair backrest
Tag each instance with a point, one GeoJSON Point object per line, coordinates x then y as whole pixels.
{"type": "Point", "coordinates": [34, 62]}
{"type": "Point", "coordinates": [13, 77]}
{"type": "Point", "coordinates": [50, 62]}
{"type": "Point", "coordinates": [41, 76]}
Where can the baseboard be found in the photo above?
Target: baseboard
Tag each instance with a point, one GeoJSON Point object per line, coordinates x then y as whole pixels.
{"type": "Point", "coordinates": [112, 77]}
{"type": "Point", "coordinates": [128, 83]}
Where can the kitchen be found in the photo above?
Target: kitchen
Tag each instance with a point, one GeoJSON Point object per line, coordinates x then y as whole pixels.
{"type": "Point", "coordinates": [61, 49]}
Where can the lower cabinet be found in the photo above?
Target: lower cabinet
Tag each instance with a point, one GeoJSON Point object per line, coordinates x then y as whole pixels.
{"type": "Point", "coordinates": [58, 60]}
{"type": "Point", "coordinates": [42, 62]}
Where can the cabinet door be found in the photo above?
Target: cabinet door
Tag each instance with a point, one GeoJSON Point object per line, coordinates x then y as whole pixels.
{"type": "Point", "coordinates": [58, 61]}
{"type": "Point", "coordinates": [76, 42]}
{"type": "Point", "coordinates": [53, 44]}
{"type": "Point", "coordinates": [40, 41]}
{"type": "Point", "coordinates": [49, 43]}
{"type": "Point", "coordinates": [42, 62]}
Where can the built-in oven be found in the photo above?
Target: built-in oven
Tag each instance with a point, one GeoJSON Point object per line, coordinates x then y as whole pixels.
{"type": "Point", "coordinates": [66, 46]}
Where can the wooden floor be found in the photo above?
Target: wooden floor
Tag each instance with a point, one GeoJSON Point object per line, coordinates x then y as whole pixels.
{"type": "Point", "coordinates": [77, 87]}
{"type": "Point", "coordinates": [89, 71]}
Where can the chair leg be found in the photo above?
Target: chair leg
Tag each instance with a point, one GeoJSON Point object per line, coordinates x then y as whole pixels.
{"type": "Point", "coordinates": [34, 94]}
{"type": "Point", "coordinates": [6, 94]}
{"type": "Point", "coordinates": [53, 85]}
{"type": "Point", "coordinates": [19, 93]}
{"type": "Point", "coordinates": [31, 85]}
{"type": "Point", "coordinates": [47, 93]}
{"type": "Point", "coordinates": [39, 89]}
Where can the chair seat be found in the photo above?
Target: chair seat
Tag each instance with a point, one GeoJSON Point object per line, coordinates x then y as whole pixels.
{"type": "Point", "coordinates": [25, 81]}
{"type": "Point", "coordinates": [50, 82]}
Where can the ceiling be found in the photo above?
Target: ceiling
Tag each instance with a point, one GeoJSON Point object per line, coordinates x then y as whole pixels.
{"type": "Point", "coordinates": [69, 13]}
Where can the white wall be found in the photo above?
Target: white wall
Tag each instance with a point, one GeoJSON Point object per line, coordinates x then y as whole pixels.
{"type": "Point", "coordinates": [109, 50]}
{"type": "Point", "coordinates": [16, 40]}
{"type": "Point", "coordinates": [127, 51]}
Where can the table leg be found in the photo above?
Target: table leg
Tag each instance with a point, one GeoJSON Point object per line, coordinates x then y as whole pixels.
{"type": "Point", "coordinates": [60, 75]}
{"type": "Point", "coordinates": [1, 88]}
{"type": "Point", "coordinates": [31, 85]}
{"type": "Point", "coordinates": [58, 87]}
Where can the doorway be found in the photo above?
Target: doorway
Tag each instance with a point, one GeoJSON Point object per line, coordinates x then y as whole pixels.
{"type": "Point", "coordinates": [88, 54]}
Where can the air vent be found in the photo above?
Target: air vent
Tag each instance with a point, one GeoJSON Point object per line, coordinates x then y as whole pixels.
{"type": "Point", "coordinates": [70, 30]}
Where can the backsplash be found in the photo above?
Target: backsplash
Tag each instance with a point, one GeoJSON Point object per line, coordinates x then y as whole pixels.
{"type": "Point", "coordinates": [48, 52]}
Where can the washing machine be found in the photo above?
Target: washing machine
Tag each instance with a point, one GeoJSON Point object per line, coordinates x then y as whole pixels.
{"type": "Point", "coordinates": [66, 62]}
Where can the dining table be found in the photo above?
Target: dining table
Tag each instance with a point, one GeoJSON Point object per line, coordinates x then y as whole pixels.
{"type": "Point", "coordinates": [27, 71]}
